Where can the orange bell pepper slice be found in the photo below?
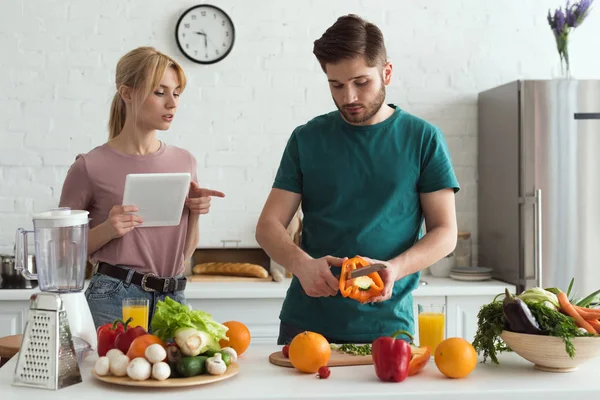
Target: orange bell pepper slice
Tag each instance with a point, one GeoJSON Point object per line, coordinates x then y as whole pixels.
{"type": "Point", "coordinates": [348, 288]}
{"type": "Point", "coordinates": [419, 358]}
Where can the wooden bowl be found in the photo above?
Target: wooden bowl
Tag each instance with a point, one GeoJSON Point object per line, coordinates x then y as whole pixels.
{"type": "Point", "coordinates": [548, 352]}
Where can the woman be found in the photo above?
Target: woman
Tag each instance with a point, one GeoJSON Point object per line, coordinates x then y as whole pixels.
{"type": "Point", "coordinates": [146, 262]}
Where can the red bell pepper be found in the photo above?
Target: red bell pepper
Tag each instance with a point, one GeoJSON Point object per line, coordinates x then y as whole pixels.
{"type": "Point", "coordinates": [106, 335]}
{"type": "Point", "coordinates": [124, 339]}
{"type": "Point", "coordinates": [391, 357]}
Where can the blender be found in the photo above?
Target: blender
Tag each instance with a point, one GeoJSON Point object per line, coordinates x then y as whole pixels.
{"type": "Point", "coordinates": [53, 344]}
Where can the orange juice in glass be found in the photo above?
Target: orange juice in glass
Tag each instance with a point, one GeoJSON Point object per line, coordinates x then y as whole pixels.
{"type": "Point", "coordinates": [137, 309]}
{"type": "Point", "coordinates": [432, 324]}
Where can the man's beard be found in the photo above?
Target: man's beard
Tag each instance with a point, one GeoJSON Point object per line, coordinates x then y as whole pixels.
{"type": "Point", "coordinates": [367, 112]}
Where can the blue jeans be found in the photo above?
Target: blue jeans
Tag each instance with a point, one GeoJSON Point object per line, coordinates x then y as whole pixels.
{"type": "Point", "coordinates": [105, 294]}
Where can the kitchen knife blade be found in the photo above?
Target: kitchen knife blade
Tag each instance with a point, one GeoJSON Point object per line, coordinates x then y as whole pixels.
{"type": "Point", "coordinates": [366, 270]}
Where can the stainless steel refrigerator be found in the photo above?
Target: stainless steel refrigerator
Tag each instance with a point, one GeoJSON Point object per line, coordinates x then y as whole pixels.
{"type": "Point", "coordinates": [539, 183]}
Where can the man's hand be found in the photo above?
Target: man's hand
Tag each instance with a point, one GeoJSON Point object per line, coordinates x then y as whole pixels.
{"type": "Point", "coordinates": [198, 200]}
{"type": "Point", "coordinates": [316, 278]}
{"type": "Point", "coordinates": [389, 276]}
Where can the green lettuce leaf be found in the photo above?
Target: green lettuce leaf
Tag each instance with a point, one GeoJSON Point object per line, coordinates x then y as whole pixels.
{"type": "Point", "coordinates": [170, 316]}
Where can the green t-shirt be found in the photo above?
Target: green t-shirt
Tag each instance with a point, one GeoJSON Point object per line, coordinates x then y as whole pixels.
{"type": "Point", "coordinates": [360, 190]}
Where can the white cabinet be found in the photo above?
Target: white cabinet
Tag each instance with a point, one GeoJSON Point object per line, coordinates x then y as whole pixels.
{"type": "Point", "coordinates": [13, 316]}
{"type": "Point", "coordinates": [461, 312]}
{"type": "Point", "coordinates": [261, 316]}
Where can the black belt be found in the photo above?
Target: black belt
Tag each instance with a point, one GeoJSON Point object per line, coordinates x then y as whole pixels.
{"type": "Point", "coordinates": [149, 282]}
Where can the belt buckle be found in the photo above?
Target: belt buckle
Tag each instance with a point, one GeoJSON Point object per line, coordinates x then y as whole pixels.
{"type": "Point", "coordinates": [166, 285]}
{"type": "Point", "coordinates": [144, 279]}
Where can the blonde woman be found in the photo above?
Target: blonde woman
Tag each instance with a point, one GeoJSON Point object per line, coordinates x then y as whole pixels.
{"type": "Point", "coordinates": [145, 262]}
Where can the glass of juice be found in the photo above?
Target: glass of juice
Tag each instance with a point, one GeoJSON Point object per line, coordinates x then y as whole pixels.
{"type": "Point", "coordinates": [138, 310]}
{"type": "Point", "coordinates": [432, 325]}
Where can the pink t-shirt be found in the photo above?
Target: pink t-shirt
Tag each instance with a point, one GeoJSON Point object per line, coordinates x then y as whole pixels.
{"type": "Point", "coordinates": [96, 181]}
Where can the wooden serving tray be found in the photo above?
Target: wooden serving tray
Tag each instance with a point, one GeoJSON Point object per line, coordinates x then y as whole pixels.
{"type": "Point", "coordinates": [232, 370]}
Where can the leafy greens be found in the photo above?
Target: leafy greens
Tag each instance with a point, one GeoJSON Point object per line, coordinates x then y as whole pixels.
{"type": "Point", "coordinates": [171, 316]}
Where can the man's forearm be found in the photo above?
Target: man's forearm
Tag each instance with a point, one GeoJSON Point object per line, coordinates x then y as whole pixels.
{"type": "Point", "coordinates": [192, 236]}
{"type": "Point", "coordinates": [435, 245]}
{"type": "Point", "coordinates": [277, 243]}
{"type": "Point", "coordinates": [97, 237]}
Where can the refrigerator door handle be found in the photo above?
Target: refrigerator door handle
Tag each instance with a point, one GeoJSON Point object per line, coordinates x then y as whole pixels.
{"type": "Point", "coordinates": [538, 237]}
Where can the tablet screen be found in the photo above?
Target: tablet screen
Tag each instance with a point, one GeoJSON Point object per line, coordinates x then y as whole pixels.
{"type": "Point", "coordinates": [159, 197]}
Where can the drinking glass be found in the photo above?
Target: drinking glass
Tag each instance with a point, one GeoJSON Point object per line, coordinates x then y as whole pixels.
{"type": "Point", "coordinates": [432, 324]}
{"type": "Point", "coordinates": [138, 310]}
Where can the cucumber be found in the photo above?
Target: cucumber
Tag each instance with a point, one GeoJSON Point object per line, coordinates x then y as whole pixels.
{"type": "Point", "coordinates": [191, 366]}
{"type": "Point", "coordinates": [210, 353]}
{"type": "Point", "coordinates": [363, 282]}
{"type": "Point", "coordinates": [226, 358]}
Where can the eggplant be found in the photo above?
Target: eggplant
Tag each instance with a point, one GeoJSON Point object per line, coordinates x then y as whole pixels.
{"type": "Point", "coordinates": [518, 316]}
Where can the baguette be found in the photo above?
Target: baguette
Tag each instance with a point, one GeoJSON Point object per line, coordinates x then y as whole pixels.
{"type": "Point", "coordinates": [232, 269]}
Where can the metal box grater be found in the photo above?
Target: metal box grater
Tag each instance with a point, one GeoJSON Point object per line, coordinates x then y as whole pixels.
{"type": "Point", "coordinates": [47, 358]}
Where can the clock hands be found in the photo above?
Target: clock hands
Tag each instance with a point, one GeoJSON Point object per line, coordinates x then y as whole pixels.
{"type": "Point", "coordinates": [203, 34]}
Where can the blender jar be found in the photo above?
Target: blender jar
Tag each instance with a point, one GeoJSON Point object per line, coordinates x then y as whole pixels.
{"type": "Point", "coordinates": [60, 250]}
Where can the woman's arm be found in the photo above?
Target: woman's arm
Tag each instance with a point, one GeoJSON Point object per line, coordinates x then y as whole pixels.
{"type": "Point", "coordinates": [192, 237]}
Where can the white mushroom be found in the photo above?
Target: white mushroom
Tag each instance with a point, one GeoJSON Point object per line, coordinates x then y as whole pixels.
{"type": "Point", "coordinates": [118, 365]}
{"type": "Point", "coordinates": [161, 371]}
{"type": "Point", "coordinates": [102, 366]}
{"type": "Point", "coordinates": [113, 353]}
{"type": "Point", "coordinates": [215, 365]}
{"type": "Point", "coordinates": [139, 369]}
{"type": "Point", "coordinates": [232, 353]}
{"type": "Point", "coordinates": [155, 353]}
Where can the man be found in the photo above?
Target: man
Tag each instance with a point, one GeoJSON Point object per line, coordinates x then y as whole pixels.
{"type": "Point", "coordinates": [367, 176]}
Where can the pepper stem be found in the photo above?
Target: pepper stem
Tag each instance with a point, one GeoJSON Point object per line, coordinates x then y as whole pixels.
{"type": "Point", "coordinates": [126, 324]}
{"type": "Point", "coordinates": [403, 332]}
{"type": "Point", "coordinates": [115, 323]}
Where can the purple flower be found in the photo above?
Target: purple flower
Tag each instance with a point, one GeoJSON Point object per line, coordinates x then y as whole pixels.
{"type": "Point", "coordinates": [573, 15]}
{"type": "Point", "coordinates": [580, 11]}
{"type": "Point", "coordinates": [559, 20]}
{"type": "Point", "coordinates": [571, 18]}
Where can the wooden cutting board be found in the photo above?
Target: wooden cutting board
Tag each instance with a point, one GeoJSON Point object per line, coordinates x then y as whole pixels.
{"type": "Point", "coordinates": [337, 359]}
{"type": "Point", "coordinates": [227, 278]}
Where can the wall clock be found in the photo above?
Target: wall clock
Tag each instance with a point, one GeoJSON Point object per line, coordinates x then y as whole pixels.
{"type": "Point", "coordinates": [205, 34]}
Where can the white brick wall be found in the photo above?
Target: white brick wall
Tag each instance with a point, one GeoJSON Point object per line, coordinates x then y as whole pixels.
{"type": "Point", "coordinates": [58, 59]}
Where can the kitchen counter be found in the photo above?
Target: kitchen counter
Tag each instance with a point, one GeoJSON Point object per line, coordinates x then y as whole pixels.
{"type": "Point", "coordinates": [258, 379]}
{"type": "Point", "coordinates": [240, 301]}
{"type": "Point", "coordinates": [277, 290]}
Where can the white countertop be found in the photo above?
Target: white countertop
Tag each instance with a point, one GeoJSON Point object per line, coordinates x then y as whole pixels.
{"type": "Point", "coordinates": [258, 379]}
{"type": "Point", "coordinates": [267, 290]}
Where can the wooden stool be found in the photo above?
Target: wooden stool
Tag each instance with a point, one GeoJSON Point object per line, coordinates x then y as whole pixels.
{"type": "Point", "coordinates": [9, 346]}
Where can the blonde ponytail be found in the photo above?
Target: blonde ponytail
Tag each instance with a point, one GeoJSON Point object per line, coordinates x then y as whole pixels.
{"type": "Point", "coordinates": [117, 116]}
{"type": "Point", "coordinates": [141, 68]}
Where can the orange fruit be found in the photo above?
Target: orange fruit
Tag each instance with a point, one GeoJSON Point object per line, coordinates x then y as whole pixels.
{"type": "Point", "coordinates": [137, 348]}
{"type": "Point", "coordinates": [309, 351]}
{"type": "Point", "coordinates": [239, 337]}
{"type": "Point", "coordinates": [455, 357]}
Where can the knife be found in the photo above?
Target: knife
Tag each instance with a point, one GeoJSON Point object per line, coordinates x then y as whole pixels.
{"type": "Point", "coordinates": [365, 270]}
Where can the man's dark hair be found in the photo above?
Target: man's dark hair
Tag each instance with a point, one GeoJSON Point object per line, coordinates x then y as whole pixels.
{"type": "Point", "coordinates": [349, 37]}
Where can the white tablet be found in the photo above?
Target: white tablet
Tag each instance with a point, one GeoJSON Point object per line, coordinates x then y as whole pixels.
{"type": "Point", "coordinates": [160, 198]}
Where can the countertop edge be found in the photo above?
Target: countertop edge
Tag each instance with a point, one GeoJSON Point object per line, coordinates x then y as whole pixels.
{"type": "Point", "coordinates": [277, 290]}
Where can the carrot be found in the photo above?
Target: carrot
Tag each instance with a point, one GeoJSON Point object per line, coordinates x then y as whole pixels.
{"type": "Point", "coordinates": [567, 308]}
{"type": "Point", "coordinates": [588, 313]}
{"type": "Point", "coordinates": [595, 324]}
